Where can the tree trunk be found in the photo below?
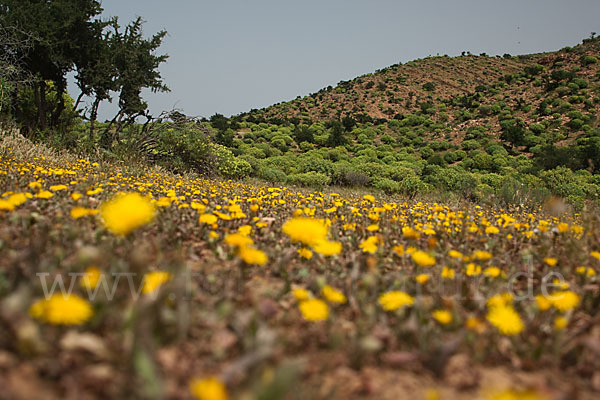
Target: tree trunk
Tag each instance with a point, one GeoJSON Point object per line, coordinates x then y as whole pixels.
{"type": "Point", "coordinates": [93, 116]}
{"type": "Point", "coordinates": [60, 107]}
{"type": "Point", "coordinates": [42, 105]}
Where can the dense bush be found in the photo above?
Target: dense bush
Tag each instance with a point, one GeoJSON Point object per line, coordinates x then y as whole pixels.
{"type": "Point", "coordinates": [309, 179]}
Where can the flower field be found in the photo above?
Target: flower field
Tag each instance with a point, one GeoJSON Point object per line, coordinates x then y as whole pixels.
{"type": "Point", "coordinates": [121, 282]}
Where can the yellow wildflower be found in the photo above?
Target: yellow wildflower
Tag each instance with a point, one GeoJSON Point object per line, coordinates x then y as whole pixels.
{"type": "Point", "coordinates": [543, 302]}
{"type": "Point", "coordinates": [305, 230]}
{"type": "Point", "coordinates": [238, 240]}
{"type": "Point", "coordinates": [482, 255]}
{"type": "Point", "coordinates": [491, 230]}
{"type": "Point", "coordinates": [91, 278]}
{"type": "Point", "coordinates": [506, 320]}
{"type": "Point", "coordinates": [448, 273]}
{"type": "Point", "coordinates": [565, 300]}
{"type": "Point", "coordinates": [444, 317]}
{"type": "Point", "coordinates": [550, 261]}
{"type": "Point", "coordinates": [393, 300]}
{"type": "Point", "coordinates": [560, 323]}
{"type": "Point", "coordinates": [314, 310]}
{"type": "Point", "coordinates": [327, 248]}
{"type": "Point", "coordinates": [423, 259]}
{"type": "Point", "coordinates": [333, 295]}
{"type": "Point", "coordinates": [305, 253]}
{"type": "Point", "coordinates": [153, 280]}
{"type": "Point", "coordinates": [208, 389]}
{"type": "Point", "coordinates": [62, 310]}
{"type": "Point", "coordinates": [422, 278]}
{"type": "Point", "coordinates": [301, 294]}
{"type": "Point", "coordinates": [209, 219]}
{"type": "Point", "coordinates": [253, 256]}
{"type": "Point", "coordinates": [126, 212]}
{"type": "Point", "coordinates": [369, 245]}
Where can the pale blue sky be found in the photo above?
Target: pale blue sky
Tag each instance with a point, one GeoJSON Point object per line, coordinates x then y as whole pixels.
{"type": "Point", "coordinates": [229, 56]}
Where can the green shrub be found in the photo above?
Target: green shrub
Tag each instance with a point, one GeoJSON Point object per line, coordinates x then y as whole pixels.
{"type": "Point", "coordinates": [587, 60]}
{"type": "Point", "coordinates": [273, 175]}
{"type": "Point", "coordinates": [387, 185]}
{"type": "Point", "coordinates": [309, 179]}
{"type": "Point", "coordinates": [228, 165]}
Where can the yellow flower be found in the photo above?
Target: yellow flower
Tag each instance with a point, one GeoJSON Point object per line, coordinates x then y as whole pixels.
{"type": "Point", "coordinates": [314, 310]}
{"type": "Point", "coordinates": [563, 227]}
{"type": "Point", "coordinates": [444, 317]}
{"type": "Point", "coordinates": [482, 255]}
{"type": "Point", "coordinates": [208, 389]}
{"type": "Point", "coordinates": [543, 302]}
{"type": "Point", "coordinates": [6, 205]}
{"type": "Point", "coordinates": [455, 254]}
{"type": "Point", "coordinates": [305, 230]}
{"type": "Point", "coordinates": [491, 230]}
{"type": "Point", "coordinates": [587, 271]}
{"type": "Point", "coordinates": [410, 233]}
{"type": "Point", "coordinates": [565, 300]}
{"type": "Point", "coordinates": [44, 194]}
{"type": "Point", "coordinates": [327, 248]}
{"type": "Point", "coordinates": [18, 198]}
{"type": "Point", "coordinates": [245, 230]}
{"type": "Point", "coordinates": [252, 256]}
{"type": "Point", "coordinates": [369, 245]}
{"type": "Point", "coordinates": [305, 253]}
{"type": "Point", "coordinates": [62, 310]}
{"type": "Point", "coordinates": [126, 212]}
{"type": "Point", "coordinates": [596, 255]}
{"type": "Point", "coordinates": [301, 294]}
{"type": "Point", "coordinates": [56, 188]}
{"type": "Point", "coordinates": [399, 250]}
{"type": "Point", "coordinates": [369, 197]}
{"type": "Point", "coordinates": [333, 295]}
{"type": "Point", "coordinates": [79, 212]}
{"type": "Point", "coordinates": [506, 320]}
{"type": "Point", "coordinates": [393, 300]}
{"type": "Point", "coordinates": [76, 196]}
{"type": "Point", "coordinates": [208, 219]}
{"type": "Point", "coordinates": [153, 280]}
{"type": "Point", "coordinates": [560, 323]}
{"type": "Point", "coordinates": [473, 269]}
{"type": "Point", "coordinates": [423, 259]}
{"type": "Point", "coordinates": [373, 227]}
{"type": "Point", "coordinates": [500, 300]}
{"type": "Point", "coordinates": [238, 240]}
{"type": "Point", "coordinates": [550, 261]}
{"type": "Point", "coordinates": [91, 278]}
{"type": "Point", "coordinates": [492, 272]}
{"type": "Point", "coordinates": [448, 273]}
{"type": "Point", "coordinates": [475, 324]}
{"type": "Point", "coordinates": [422, 278]}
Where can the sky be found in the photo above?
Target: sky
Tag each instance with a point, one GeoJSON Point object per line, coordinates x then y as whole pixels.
{"type": "Point", "coordinates": [230, 56]}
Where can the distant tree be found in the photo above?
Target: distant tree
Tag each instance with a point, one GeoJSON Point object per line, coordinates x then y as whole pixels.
{"type": "Point", "coordinates": [303, 133]}
{"type": "Point", "coordinates": [219, 121]}
{"type": "Point", "coordinates": [136, 65]}
{"type": "Point", "coordinates": [14, 43]}
{"type": "Point", "coordinates": [513, 132]}
{"type": "Point", "coordinates": [336, 134]}
{"type": "Point", "coordinates": [60, 30]}
{"type": "Point", "coordinates": [348, 122]}
{"type": "Point", "coordinates": [225, 138]}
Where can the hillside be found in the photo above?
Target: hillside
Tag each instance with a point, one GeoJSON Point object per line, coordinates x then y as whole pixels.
{"type": "Point", "coordinates": [482, 126]}
{"type": "Point", "coordinates": [399, 90]}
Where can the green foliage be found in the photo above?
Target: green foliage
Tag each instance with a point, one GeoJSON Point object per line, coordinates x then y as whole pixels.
{"type": "Point", "coordinates": [588, 60]}
{"type": "Point", "coordinates": [309, 179]}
